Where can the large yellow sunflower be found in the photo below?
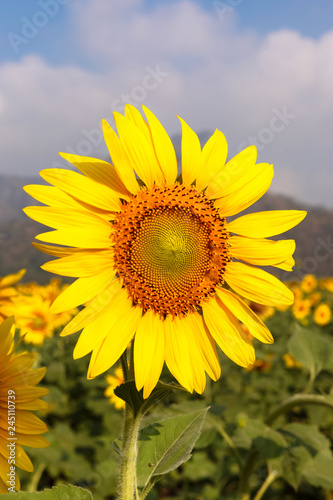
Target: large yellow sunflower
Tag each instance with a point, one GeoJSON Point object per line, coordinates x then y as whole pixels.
{"type": "Point", "coordinates": [155, 255]}
{"type": "Point", "coordinates": [18, 396]}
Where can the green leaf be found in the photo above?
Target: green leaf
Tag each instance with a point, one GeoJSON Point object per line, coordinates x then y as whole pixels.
{"type": "Point", "coordinates": [57, 493]}
{"type": "Point", "coordinates": [311, 349]}
{"type": "Point", "coordinates": [165, 445]}
{"type": "Point", "coordinates": [269, 442]}
{"type": "Point", "coordinates": [129, 393]}
{"type": "Point", "coordinates": [291, 464]}
{"type": "Point", "coordinates": [309, 435]}
{"type": "Point", "coordinates": [318, 470]}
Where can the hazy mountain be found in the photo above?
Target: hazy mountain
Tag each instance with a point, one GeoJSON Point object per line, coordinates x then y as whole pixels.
{"type": "Point", "coordinates": [314, 236]}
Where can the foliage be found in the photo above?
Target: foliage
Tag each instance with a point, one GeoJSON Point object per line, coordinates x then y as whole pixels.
{"type": "Point", "coordinates": [268, 427]}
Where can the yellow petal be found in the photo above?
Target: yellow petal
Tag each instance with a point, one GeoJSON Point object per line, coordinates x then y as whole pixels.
{"type": "Point", "coordinates": [82, 290]}
{"type": "Point", "coordinates": [206, 346]}
{"type": "Point", "coordinates": [245, 314]}
{"type": "Point", "coordinates": [164, 149]}
{"type": "Point", "coordinates": [227, 332]}
{"type": "Point", "coordinates": [60, 251]}
{"type": "Point", "coordinates": [28, 423]}
{"type": "Point", "coordinates": [266, 224]}
{"type": "Point", "coordinates": [51, 195]}
{"type": "Point", "coordinates": [61, 218]}
{"type": "Point", "coordinates": [92, 237]}
{"type": "Point", "coordinates": [198, 361]}
{"type": "Point", "coordinates": [105, 355]}
{"type": "Point", "coordinates": [261, 252]}
{"type": "Point", "coordinates": [139, 151]}
{"type": "Point", "coordinates": [177, 352]}
{"type": "Point", "coordinates": [286, 265]}
{"type": "Point", "coordinates": [133, 114]}
{"type": "Point", "coordinates": [83, 188]}
{"type": "Point", "coordinates": [11, 279]}
{"type": "Point", "coordinates": [99, 171]}
{"type": "Point", "coordinates": [234, 175]}
{"type": "Point", "coordinates": [191, 154]}
{"type": "Point", "coordinates": [249, 193]}
{"type": "Point", "coordinates": [81, 265]}
{"type": "Point", "coordinates": [214, 155]}
{"type": "Point", "coordinates": [93, 310]}
{"type": "Point", "coordinates": [121, 162]}
{"type": "Point", "coordinates": [257, 285]}
{"type": "Point", "coordinates": [148, 352]}
{"type": "Point", "coordinates": [118, 307]}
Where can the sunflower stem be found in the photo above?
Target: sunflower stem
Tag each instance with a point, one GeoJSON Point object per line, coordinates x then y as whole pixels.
{"type": "Point", "coordinates": [129, 454]}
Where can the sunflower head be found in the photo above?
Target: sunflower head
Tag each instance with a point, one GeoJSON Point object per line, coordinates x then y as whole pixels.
{"type": "Point", "coordinates": [155, 256]}
{"type": "Point", "coordinates": [18, 396]}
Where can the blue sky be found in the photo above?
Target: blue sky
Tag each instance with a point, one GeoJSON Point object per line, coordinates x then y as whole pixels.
{"type": "Point", "coordinates": [260, 71]}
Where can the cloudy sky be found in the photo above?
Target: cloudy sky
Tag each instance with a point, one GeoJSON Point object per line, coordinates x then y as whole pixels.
{"type": "Point", "coordinates": [262, 72]}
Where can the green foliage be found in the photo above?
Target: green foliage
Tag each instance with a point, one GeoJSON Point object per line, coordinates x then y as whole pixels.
{"type": "Point", "coordinates": [167, 444]}
{"type": "Point", "coordinates": [256, 426]}
{"type": "Point", "coordinates": [57, 493]}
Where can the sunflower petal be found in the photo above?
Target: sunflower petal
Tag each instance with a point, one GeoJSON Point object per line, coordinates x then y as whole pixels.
{"type": "Point", "coordinates": [82, 290]}
{"type": "Point", "coordinates": [148, 352]}
{"type": "Point", "coordinates": [110, 350]}
{"type": "Point", "coordinates": [234, 175]}
{"type": "Point", "coordinates": [165, 151]}
{"type": "Point", "coordinates": [81, 265]}
{"type": "Point", "coordinates": [99, 171]}
{"type": "Point", "coordinates": [245, 314]}
{"type": "Point", "coordinates": [214, 155]}
{"type": "Point", "coordinates": [261, 252]}
{"type": "Point", "coordinates": [92, 310]}
{"type": "Point", "coordinates": [266, 224]}
{"type": "Point", "coordinates": [140, 152]}
{"type": "Point", "coordinates": [177, 352]}
{"type": "Point", "coordinates": [257, 285]}
{"type": "Point", "coordinates": [227, 332]}
{"type": "Point", "coordinates": [249, 193]}
{"type": "Point", "coordinates": [83, 188]}
{"type": "Point", "coordinates": [191, 154]}
{"type": "Point", "coordinates": [121, 162]}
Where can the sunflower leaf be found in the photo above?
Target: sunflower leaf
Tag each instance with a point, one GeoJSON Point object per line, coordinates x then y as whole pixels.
{"type": "Point", "coordinates": [129, 393]}
{"type": "Point", "coordinates": [57, 493]}
{"type": "Point", "coordinates": [165, 445]}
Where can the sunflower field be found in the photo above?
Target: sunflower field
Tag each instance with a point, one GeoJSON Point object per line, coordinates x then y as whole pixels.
{"type": "Point", "coordinates": [267, 431]}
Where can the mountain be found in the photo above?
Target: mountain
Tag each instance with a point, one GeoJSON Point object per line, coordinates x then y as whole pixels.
{"type": "Point", "coordinates": [314, 240]}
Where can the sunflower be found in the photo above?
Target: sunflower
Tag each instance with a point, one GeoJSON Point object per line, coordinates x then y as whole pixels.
{"type": "Point", "coordinates": [154, 253]}
{"type": "Point", "coordinates": [33, 316]}
{"type": "Point", "coordinates": [309, 283]}
{"type": "Point", "coordinates": [7, 292]}
{"type": "Point", "coordinates": [301, 308]}
{"type": "Point", "coordinates": [322, 314]}
{"type": "Point", "coordinates": [113, 382]}
{"type": "Point", "coordinates": [18, 396]}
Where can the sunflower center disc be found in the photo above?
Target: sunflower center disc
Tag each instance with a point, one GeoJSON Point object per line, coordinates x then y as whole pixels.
{"type": "Point", "coordinates": [171, 248]}
{"type": "Point", "coordinates": [171, 251]}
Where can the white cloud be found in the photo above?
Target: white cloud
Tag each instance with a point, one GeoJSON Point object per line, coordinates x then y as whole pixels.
{"type": "Point", "coordinates": [210, 74]}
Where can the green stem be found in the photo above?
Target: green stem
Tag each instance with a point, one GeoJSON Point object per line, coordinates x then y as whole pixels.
{"type": "Point", "coordinates": [129, 454]}
{"type": "Point", "coordinates": [229, 441]}
{"type": "Point", "coordinates": [266, 484]}
{"type": "Point", "coordinates": [147, 489]}
{"type": "Point", "coordinates": [298, 400]}
{"type": "Point", "coordinates": [33, 485]}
